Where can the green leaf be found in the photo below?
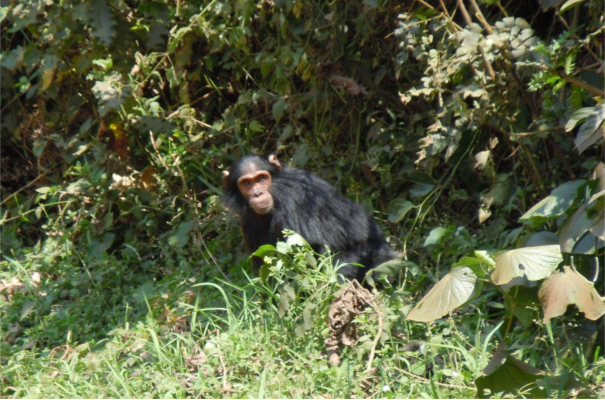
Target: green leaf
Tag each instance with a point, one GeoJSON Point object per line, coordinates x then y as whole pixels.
{"type": "Point", "coordinates": [453, 290]}
{"type": "Point", "coordinates": [278, 109]}
{"type": "Point", "coordinates": [555, 205]}
{"type": "Point", "coordinates": [505, 374]}
{"type": "Point", "coordinates": [79, 186]}
{"type": "Point", "coordinates": [43, 189]}
{"type": "Point", "coordinates": [3, 13]}
{"type": "Point", "coordinates": [485, 258]}
{"type": "Point", "coordinates": [436, 235]}
{"type": "Point", "coordinates": [256, 126]}
{"type": "Point", "coordinates": [398, 208]}
{"type": "Point", "coordinates": [14, 59]}
{"type": "Point", "coordinates": [570, 4]}
{"type": "Point", "coordinates": [181, 237]}
{"type": "Point", "coordinates": [421, 189]}
{"type": "Point", "coordinates": [390, 268]}
{"type": "Point", "coordinates": [533, 262]}
{"type": "Point", "coordinates": [287, 295]}
{"type": "Point", "coordinates": [474, 264]}
{"type": "Point", "coordinates": [264, 250]}
{"type": "Point", "coordinates": [578, 116]}
{"type": "Point", "coordinates": [592, 130]}
{"type": "Point", "coordinates": [102, 23]}
{"type": "Point", "coordinates": [283, 247]}
{"type": "Point", "coordinates": [26, 309]}
{"type": "Point", "coordinates": [575, 228]}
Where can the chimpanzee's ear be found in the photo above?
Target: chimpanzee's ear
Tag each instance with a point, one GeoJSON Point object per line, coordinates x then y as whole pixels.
{"type": "Point", "coordinates": [225, 176]}
{"type": "Point", "coordinates": [273, 160]}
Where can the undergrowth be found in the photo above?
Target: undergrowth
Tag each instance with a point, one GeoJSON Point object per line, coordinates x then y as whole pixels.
{"type": "Point", "coordinates": [472, 133]}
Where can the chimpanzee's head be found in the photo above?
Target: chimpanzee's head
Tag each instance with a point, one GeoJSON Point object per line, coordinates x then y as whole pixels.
{"type": "Point", "coordinates": [248, 183]}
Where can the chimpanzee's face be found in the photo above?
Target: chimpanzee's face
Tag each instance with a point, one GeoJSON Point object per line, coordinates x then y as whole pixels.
{"type": "Point", "coordinates": [254, 185]}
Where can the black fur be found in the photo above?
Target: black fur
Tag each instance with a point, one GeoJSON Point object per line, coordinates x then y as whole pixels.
{"type": "Point", "coordinates": [313, 208]}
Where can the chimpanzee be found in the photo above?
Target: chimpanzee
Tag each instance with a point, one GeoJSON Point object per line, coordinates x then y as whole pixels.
{"type": "Point", "coordinates": [269, 198]}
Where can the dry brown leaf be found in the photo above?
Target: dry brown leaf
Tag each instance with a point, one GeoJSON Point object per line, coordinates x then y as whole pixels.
{"type": "Point", "coordinates": [569, 287]}
{"type": "Point", "coordinates": [349, 85]}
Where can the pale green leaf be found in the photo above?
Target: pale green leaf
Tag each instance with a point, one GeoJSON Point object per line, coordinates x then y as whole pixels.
{"type": "Point", "coordinates": [570, 4]}
{"type": "Point", "coordinates": [533, 262]}
{"type": "Point", "coordinates": [436, 235]}
{"type": "Point", "coordinates": [26, 309]}
{"type": "Point", "coordinates": [453, 290]}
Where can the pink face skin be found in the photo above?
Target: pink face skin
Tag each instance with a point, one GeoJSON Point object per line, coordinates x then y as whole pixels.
{"type": "Point", "coordinates": [254, 186]}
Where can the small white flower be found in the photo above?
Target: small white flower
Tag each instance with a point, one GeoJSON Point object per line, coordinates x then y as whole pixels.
{"type": "Point", "coordinates": [386, 388]}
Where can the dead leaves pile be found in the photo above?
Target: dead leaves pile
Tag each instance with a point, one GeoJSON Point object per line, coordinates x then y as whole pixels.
{"type": "Point", "coordinates": [352, 302]}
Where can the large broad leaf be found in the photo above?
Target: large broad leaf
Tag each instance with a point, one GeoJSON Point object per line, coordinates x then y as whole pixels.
{"type": "Point", "coordinates": [453, 290]}
{"type": "Point", "coordinates": [557, 203]}
{"type": "Point", "coordinates": [587, 218]}
{"type": "Point", "coordinates": [533, 262]}
{"type": "Point", "coordinates": [570, 287]}
{"type": "Point", "coordinates": [591, 131]}
{"type": "Point", "coordinates": [506, 374]}
{"type": "Point", "coordinates": [578, 116]}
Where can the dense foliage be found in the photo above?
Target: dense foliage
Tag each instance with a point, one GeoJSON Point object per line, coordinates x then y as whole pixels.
{"type": "Point", "coordinates": [466, 127]}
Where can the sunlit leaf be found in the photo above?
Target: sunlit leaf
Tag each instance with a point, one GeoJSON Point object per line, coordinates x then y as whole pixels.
{"type": "Point", "coordinates": [26, 309]}
{"type": "Point", "coordinates": [555, 205]}
{"type": "Point", "coordinates": [296, 240]}
{"type": "Point", "coordinates": [569, 4]}
{"type": "Point", "coordinates": [436, 235]}
{"type": "Point", "coordinates": [570, 287]}
{"type": "Point", "coordinates": [264, 250]}
{"type": "Point", "coordinates": [577, 116]}
{"type": "Point", "coordinates": [590, 132]}
{"type": "Point", "coordinates": [453, 290]}
{"type": "Point", "coordinates": [286, 296]}
{"type": "Point", "coordinates": [533, 262]}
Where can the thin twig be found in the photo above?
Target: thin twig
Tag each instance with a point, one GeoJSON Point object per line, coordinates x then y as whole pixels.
{"type": "Point", "coordinates": [481, 18]}
{"type": "Point", "coordinates": [220, 357]}
{"type": "Point", "coordinates": [378, 335]}
{"type": "Point", "coordinates": [582, 84]}
{"type": "Point", "coordinates": [487, 64]}
{"type": "Point", "coordinates": [157, 151]}
{"type": "Point", "coordinates": [467, 17]}
{"type": "Point", "coordinates": [23, 188]}
{"type": "Point", "coordinates": [444, 8]}
{"type": "Point", "coordinates": [430, 7]}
